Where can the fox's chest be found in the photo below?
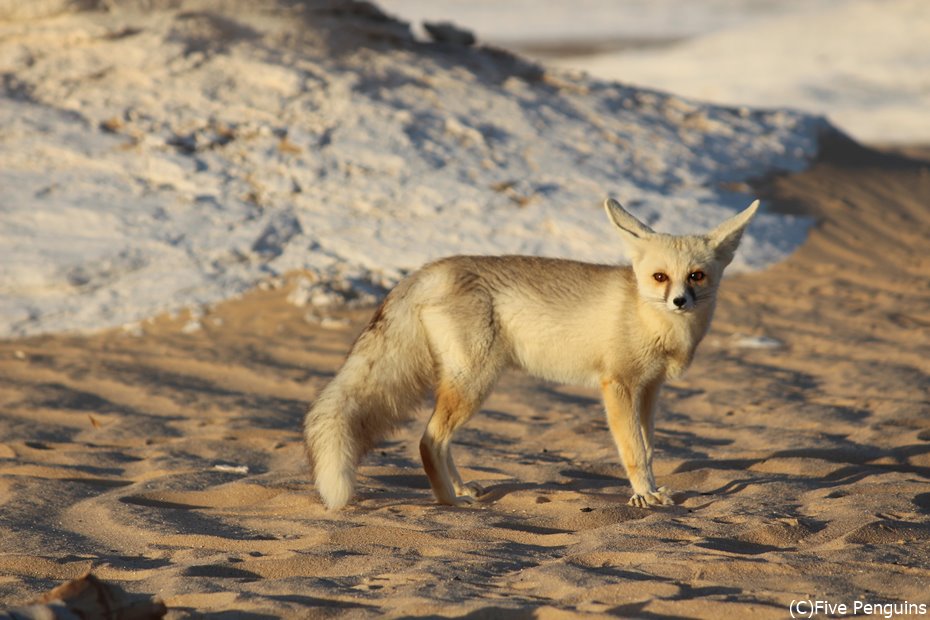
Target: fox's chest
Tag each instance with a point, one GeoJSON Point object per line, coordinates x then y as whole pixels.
{"type": "Point", "coordinates": [674, 351]}
{"type": "Point", "coordinates": [677, 362]}
{"type": "Point", "coordinates": [653, 355]}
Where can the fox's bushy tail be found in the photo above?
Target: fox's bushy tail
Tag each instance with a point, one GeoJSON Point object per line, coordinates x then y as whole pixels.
{"type": "Point", "coordinates": [384, 377]}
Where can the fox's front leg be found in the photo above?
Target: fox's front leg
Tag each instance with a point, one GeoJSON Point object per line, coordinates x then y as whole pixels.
{"type": "Point", "coordinates": [629, 416]}
{"type": "Point", "coordinates": [647, 414]}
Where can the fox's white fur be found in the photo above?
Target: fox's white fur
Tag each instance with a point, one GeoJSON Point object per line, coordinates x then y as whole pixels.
{"type": "Point", "coordinates": [456, 324]}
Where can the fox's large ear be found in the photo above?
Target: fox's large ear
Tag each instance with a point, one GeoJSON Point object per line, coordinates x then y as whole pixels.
{"type": "Point", "coordinates": [632, 228]}
{"type": "Point", "coordinates": [725, 238]}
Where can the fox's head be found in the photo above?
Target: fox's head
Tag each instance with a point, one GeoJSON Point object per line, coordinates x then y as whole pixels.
{"type": "Point", "coordinates": [679, 273]}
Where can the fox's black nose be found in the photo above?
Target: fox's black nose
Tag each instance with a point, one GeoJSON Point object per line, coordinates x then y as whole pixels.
{"type": "Point", "coordinates": [679, 301]}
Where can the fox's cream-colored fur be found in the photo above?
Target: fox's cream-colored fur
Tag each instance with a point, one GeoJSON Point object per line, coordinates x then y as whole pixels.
{"type": "Point", "coordinates": [456, 324]}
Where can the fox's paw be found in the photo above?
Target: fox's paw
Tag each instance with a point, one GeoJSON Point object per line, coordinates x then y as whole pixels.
{"type": "Point", "coordinates": [460, 501]}
{"type": "Point", "coordinates": [660, 497]}
{"type": "Point", "coordinates": [471, 490]}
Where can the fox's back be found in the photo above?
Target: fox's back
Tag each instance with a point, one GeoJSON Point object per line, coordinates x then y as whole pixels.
{"type": "Point", "coordinates": [556, 318]}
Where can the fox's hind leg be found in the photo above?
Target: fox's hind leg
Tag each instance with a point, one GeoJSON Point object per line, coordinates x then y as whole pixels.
{"type": "Point", "coordinates": [454, 407]}
{"type": "Point", "coordinates": [467, 369]}
{"type": "Point", "coordinates": [450, 413]}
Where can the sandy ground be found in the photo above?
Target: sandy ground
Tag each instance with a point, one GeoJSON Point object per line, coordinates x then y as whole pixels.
{"type": "Point", "coordinates": [171, 462]}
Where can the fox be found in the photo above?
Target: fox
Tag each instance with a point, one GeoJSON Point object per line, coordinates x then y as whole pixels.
{"type": "Point", "coordinates": [456, 324]}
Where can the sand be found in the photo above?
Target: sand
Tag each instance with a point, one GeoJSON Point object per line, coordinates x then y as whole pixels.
{"type": "Point", "coordinates": [169, 459]}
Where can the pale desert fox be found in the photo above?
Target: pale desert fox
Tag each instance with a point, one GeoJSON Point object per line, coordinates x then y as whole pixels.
{"type": "Point", "coordinates": [457, 323]}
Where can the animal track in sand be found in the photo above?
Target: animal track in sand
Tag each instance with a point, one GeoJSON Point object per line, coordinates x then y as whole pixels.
{"type": "Point", "coordinates": [886, 531]}
{"type": "Point", "coordinates": [233, 495]}
{"type": "Point", "coordinates": [733, 545]}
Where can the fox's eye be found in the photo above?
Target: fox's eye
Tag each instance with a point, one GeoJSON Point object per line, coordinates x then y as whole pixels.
{"type": "Point", "coordinates": [659, 277]}
{"type": "Point", "coordinates": [696, 276]}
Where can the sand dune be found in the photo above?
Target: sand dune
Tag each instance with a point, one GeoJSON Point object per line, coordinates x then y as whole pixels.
{"type": "Point", "coordinates": [799, 444]}
{"type": "Point", "coordinates": [211, 145]}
